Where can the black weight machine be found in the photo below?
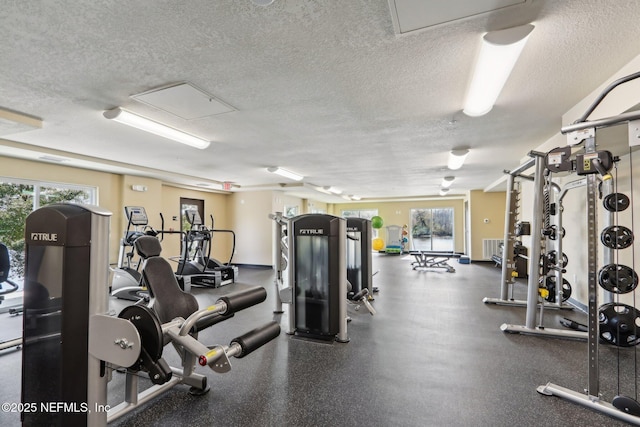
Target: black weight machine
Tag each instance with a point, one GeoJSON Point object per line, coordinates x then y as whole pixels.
{"type": "Point", "coordinates": [196, 267]}
{"type": "Point", "coordinates": [311, 275]}
{"type": "Point", "coordinates": [71, 345]}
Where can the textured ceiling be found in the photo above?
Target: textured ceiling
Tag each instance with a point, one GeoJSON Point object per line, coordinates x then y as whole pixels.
{"type": "Point", "coordinates": [325, 88]}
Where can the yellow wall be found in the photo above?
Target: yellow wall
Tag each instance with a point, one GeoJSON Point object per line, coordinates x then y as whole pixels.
{"type": "Point", "coordinates": [399, 213]}
{"type": "Point", "coordinates": [487, 213]}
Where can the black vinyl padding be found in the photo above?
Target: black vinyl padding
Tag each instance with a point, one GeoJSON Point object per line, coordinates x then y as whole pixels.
{"type": "Point", "coordinates": [147, 246]}
{"type": "Point", "coordinates": [169, 301]}
{"type": "Point", "coordinates": [244, 299]}
{"type": "Point", "coordinates": [257, 337]}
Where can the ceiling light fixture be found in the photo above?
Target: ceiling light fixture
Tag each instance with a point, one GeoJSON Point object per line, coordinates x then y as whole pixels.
{"type": "Point", "coordinates": [287, 174]}
{"type": "Point", "coordinates": [333, 190]}
{"type": "Point", "coordinates": [444, 191]}
{"type": "Point", "coordinates": [457, 158]}
{"type": "Point", "coordinates": [447, 181]}
{"type": "Point", "coordinates": [498, 55]}
{"type": "Point", "coordinates": [156, 128]}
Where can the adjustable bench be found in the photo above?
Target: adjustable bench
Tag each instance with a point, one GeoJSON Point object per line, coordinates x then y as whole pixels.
{"type": "Point", "coordinates": [426, 259]}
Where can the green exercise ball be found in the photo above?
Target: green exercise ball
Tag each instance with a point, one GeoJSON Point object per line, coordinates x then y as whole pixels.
{"type": "Point", "coordinates": [376, 222]}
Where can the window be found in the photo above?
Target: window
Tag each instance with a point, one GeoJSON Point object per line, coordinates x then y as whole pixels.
{"type": "Point", "coordinates": [360, 213]}
{"type": "Point", "coordinates": [432, 229]}
{"type": "Point", "coordinates": [18, 198]}
{"type": "Point", "coordinates": [290, 211]}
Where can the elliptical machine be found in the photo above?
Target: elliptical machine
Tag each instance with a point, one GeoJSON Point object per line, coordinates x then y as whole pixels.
{"type": "Point", "coordinates": [196, 267]}
{"type": "Point", "coordinates": [126, 282]}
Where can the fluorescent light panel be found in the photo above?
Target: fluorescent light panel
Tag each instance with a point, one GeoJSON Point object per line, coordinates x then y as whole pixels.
{"type": "Point", "coordinates": [498, 55]}
{"type": "Point", "coordinates": [130, 119]}
{"type": "Point", "coordinates": [457, 158]}
{"type": "Point", "coordinates": [285, 173]}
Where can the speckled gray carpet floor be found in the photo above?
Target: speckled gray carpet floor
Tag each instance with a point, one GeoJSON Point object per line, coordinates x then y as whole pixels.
{"type": "Point", "coordinates": [433, 356]}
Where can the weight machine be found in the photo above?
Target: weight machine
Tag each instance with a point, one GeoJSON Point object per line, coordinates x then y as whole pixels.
{"type": "Point", "coordinates": [542, 291]}
{"type": "Point", "coordinates": [311, 274]}
{"type": "Point", "coordinates": [71, 345]}
{"type": "Point", "coordinates": [512, 253]}
{"type": "Point", "coordinates": [612, 322]}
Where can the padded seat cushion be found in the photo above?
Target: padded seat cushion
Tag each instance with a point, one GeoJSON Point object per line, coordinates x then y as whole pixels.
{"type": "Point", "coordinates": [169, 300]}
{"type": "Point", "coordinates": [147, 246]}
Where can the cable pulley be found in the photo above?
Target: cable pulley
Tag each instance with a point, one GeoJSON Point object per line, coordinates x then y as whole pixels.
{"type": "Point", "coordinates": [617, 237]}
{"type": "Point", "coordinates": [618, 278]}
{"type": "Point", "coordinates": [618, 324]}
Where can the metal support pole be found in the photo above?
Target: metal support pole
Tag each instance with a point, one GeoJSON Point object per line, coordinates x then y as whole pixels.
{"type": "Point", "coordinates": [507, 245]}
{"type": "Point", "coordinates": [534, 253]}
{"type": "Point", "coordinates": [592, 281]}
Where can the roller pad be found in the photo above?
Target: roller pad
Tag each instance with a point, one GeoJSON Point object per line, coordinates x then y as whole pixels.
{"type": "Point", "coordinates": [245, 299]}
{"type": "Point", "coordinates": [257, 338]}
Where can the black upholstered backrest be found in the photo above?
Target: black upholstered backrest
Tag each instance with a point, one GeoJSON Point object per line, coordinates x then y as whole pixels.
{"type": "Point", "coordinates": [168, 300]}
{"type": "Point", "coordinates": [5, 266]}
{"type": "Point", "coordinates": [147, 246]}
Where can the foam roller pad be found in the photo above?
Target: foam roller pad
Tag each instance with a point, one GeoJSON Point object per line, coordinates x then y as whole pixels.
{"type": "Point", "coordinates": [245, 299]}
{"type": "Point", "coordinates": [257, 338]}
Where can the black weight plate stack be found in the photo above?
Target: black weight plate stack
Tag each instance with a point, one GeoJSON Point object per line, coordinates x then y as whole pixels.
{"type": "Point", "coordinates": [618, 324]}
{"type": "Point", "coordinates": [617, 237]}
{"type": "Point", "coordinates": [618, 278]}
{"type": "Point", "coordinates": [616, 202]}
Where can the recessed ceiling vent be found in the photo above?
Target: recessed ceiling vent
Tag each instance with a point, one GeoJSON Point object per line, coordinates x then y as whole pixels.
{"type": "Point", "coordinates": [185, 101]}
{"type": "Point", "coordinates": [413, 15]}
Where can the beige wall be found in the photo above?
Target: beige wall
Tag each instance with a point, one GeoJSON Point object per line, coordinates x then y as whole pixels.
{"type": "Point", "coordinates": [115, 192]}
{"type": "Point", "coordinates": [487, 214]}
{"type": "Point", "coordinates": [250, 212]}
{"type": "Point", "coordinates": [399, 213]}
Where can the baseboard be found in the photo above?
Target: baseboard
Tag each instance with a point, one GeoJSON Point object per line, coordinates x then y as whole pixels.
{"type": "Point", "coordinates": [256, 266]}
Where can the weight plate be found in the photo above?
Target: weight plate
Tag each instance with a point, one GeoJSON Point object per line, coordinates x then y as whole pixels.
{"type": "Point", "coordinates": [553, 234]}
{"type": "Point", "coordinates": [618, 278]}
{"type": "Point", "coordinates": [616, 202]}
{"type": "Point", "coordinates": [618, 324]}
{"type": "Point", "coordinates": [617, 237]}
{"type": "Point", "coordinates": [553, 255]}
{"type": "Point", "coordinates": [550, 285]}
{"type": "Point", "coordinates": [149, 328]}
